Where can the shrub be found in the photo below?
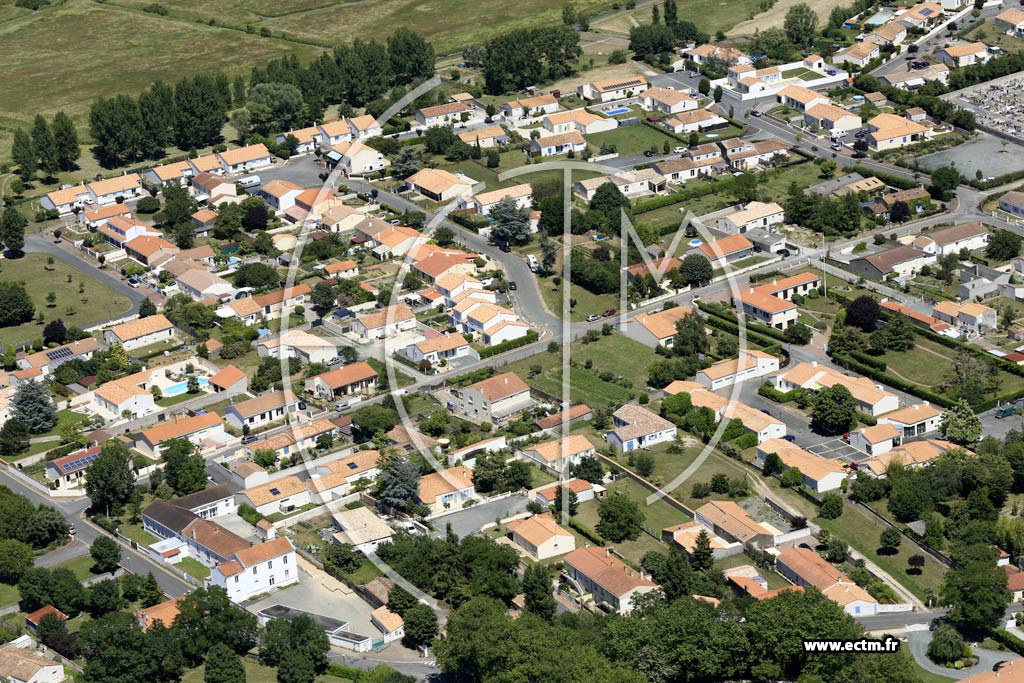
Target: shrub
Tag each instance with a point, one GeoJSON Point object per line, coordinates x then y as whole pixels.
{"type": "Point", "coordinates": [148, 205]}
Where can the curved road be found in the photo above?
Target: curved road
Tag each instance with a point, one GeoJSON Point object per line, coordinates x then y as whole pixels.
{"type": "Point", "coordinates": [919, 641]}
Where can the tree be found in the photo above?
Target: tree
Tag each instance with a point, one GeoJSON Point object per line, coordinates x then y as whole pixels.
{"type": "Point", "coordinates": [696, 270]}
{"type": "Point", "coordinates": [890, 539]}
{"type": "Point", "coordinates": [833, 410]}
{"type": "Point", "coordinates": [52, 632]}
{"type": "Point", "coordinates": [106, 554]}
{"type": "Point", "coordinates": [977, 596]}
{"type": "Point", "coordinates": [65, 137]}
{"type": "Point", "coordinates": [400, 600]}
{"type": "Point", "coordinates": [55, 332]}
{"type": "Point", "coordinates": [900, 212]}
{"type": "Point", "coordinates": [14, 437]}
{"type": "Point", "coordinates": [223, 665]}
{"type": "Point", "coordinates": [643, 463]}
{"type": "Point", "coordinates": [259, 276]}
{"type": "Point", "coordinates": [620, 518]}
{"type": "Point", "coordinates": [571, 505]}
{"type": "Point", "coordinates": [420, 625]}
{"type": "Point", "coordinates": [702, 558]}
{"type": "Point", "coordinates": [792, 478]}
{"type": "Point", "coordinates": [206, 616]}
{"type": "Point", "coordinates": [323, 299]}
{"type": "Point", "coordinates": [773, 43]}
{"type": "Point", "coordinates": [864, 313]}
{"type": "Point", "coordinates": [33, 407]}
{"type": "Point", "coordinates": [960, 424]}
{"type": "Point", "coordinates": [16, 558]}
{"type": "Point", "coordinates": [185, 468]}
{"type": "Point", "coordinates": [831, 506]}
{"type": "Point", "coordinates": [409, 56]}
{"type": "Point", "coordinates": [294, 668]}
{"type": "Point", "coordinates": [116, 126]}
{"type": "Point", "coordinates": [399, 482]}
{"type": "Point", "coordinates": [104, 598]}
{"type": "Point", "coordinates": [947, 645]}
{"type": "Point", "coordinates": [671, 12]}
{"type": "Point", "coordinates": [12, 233]}
{"type": "Point", "coordinates": [972, 378]}
{"type": "Point", "coordinates": [588, 468]}
{"type": "Point", "coordinates": [110, 482]}
{"type": "Point", "coordinates": [45, 147]}
{"type": "Point", "coordinates": [772, 465]}
{"type": "Point", "coordinates": [801, 25]}
{"type": "Point", "coordinates": [745, 187]}
{"type": "Point", "coordinates": [704, 87]}
{"type": "Point", "coordinates": [799, 333]}
{"type": "Point", "coordinates": [511, 222]}
{"type": "Point", "coordinates": [944, 181]}
{"type": "Point", "coordinates": [24, 154]}
{"type": "Point", "coordinates": [147, 308]}
{"type": "Point", "coordinates": [836, 550]}
{"type": "Point", "coordinates": [374, 418]}
{"type": "Point", "coordinates": [537, 592]}
{"type": "Point", "coordinates": [1003, 245]}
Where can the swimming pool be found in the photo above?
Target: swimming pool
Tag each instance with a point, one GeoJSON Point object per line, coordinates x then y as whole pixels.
{"type": "Point", "coordinates": [182, 387]}
{"type": "Point", "coordinates": [617, 111]}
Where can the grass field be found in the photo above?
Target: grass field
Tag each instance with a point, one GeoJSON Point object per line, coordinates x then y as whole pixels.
{"type": "Point", "coordinates": [105, 49]}
{"type": "Point", "coordinates": [615, 353]}
{"type": "Point", "coordinates": [801, 73]}
{"type": "Point", "coordinates": [8, 594]}
{"type": "Point", "coordinates": [98, 302]}
{"type": "Point", "coordinates": [990, 35]}
{"type": "Point", "coordinates": [478, 171]}
{"type": "Point", "coordinates": [80, 566]}
{"type": "Point", "coordinates": [194, 568]}
{"type": "Point", "coordinates": [633, 139]}
{"type": "Point", "coordinates": [254, 673]}
{"type": "Point", "coordinates": [709, 15]}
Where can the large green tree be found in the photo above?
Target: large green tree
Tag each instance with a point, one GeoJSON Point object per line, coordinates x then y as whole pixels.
{"type": "Point", "coordinates": [511, 222]}
{"type": "Point", "coordinates": [977, 595]}
{"type": "Point", "coordinates": [960, 424]}
{"type": "Point", "coordinates": [34, 407]}
{"type": "Point", "coordinates": [185, 468]}
{"type": "Point", "coordinates": [537, 592]}
{"type": "Point", "coordinates": [110, 481]}
{"type": "Point", "coordinates": [45, 147]}
{"type": "Point", "coordinates": [420, 625]}
{"type": "Point", "coordinates": [620, 518]}
{"type": "Point", "coordinates": [106, 554]}
{"type": "Point", "coordinates": [801, 24]}
{"type": "Point", "coordinates": [223, 666]}
{"type": "Point", "coordinates": [65, 136]}
{"type": "Point", "coordinates": [833, 410]}
{"type": "Point", "coordinates": [12, 233]}
{"type": "Point", "coordinates": [24, 154]}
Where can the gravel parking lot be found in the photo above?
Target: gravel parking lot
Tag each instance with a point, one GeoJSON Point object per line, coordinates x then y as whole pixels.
{"type": "Point", "coordinates": [989, 154]}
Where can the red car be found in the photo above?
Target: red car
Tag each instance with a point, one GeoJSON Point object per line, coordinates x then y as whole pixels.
{"type": "Point", "coordinates": [610, 312]}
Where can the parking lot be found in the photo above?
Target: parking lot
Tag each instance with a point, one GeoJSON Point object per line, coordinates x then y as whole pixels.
{"type": "Point", "coordinates": [982, 152]}
{"type": "Point", "coordinates": [837, 449]}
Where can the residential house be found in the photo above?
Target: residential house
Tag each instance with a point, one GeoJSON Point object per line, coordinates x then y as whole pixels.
{"type": "Point", "coordinates": [158, 176]}
{"type": "Point", "coordinates": [95, 218]}
{"type": "Point", "coordinates": [447, 490]}
{"type": "Point", "coordinates": [387, 241]}
{"type": "Point", "coordinates": [300, 344]}
{"type": "Point", "coordinates": [541, 537]}
{"type": "Point", "coordinates": [207, 186]}
{"type": "Point", "coordinates": [68, 471]}
{"type": "Point", "coordinates": [439, 349]}
{"type": "Point", "coordinates": [208, 163]}
{"type": "Point", "coordinates": [140, 332]}
{"type": "Point", "coordinates": [20, 665]}
{"type": "Point", "coordinates": [667, 101]}
{"type": "Point", "coordinates": [631, 184]}
{"type": "Point", "coordinates": [635, 427]}
{"type": "Point", "coordinates": [202, 285]}
{"type": "Point", "coordinates": [609, 581]}
{"type": "Point", "coordinates": [917, 200]}
{"type": "Point", "coordinates": [970, 236]}
{"type": "Point", "coordinates": [613, 88]}
{"type": "Point", "coordinates": [558, 454]}
{"type": "Point", "coordinates": [819, 474]}
{"type": "Point", "coordinates": [707, 53]}
{"type": "Point", "coordinates": [731, 248]}
{"type": "Point", "coordinates": [800, 98]}
{"type": "Point", "coordinates": [357, 159]}
{"type": "Point", "coordinates": [659, 328]}
{"type": "Point", "coordinates": [356, 378]}
{"type": "Point", "coordinates": [658, 269]}
{"type": "Point", "coordinates": [50, 359]}
{"type": "Point", "coordinates": [804, 567]}
{"type": "Point", "coordinates": [284, 494]}
{"type": "Point", "coordinates": [889, 34]}
{"type": "Point", "coordinates": [921, 15]}
{"type": "Point", "coordinates": [280, 194]}
{"type": "Point", "coordinates": [32, 620]}
{"type": "Point", "coordinates": [750, 364]}
{"type": "Point", "coordinates": [163, 612]}
{"type": "Point", "coordinates": [333, 132]}
{"type": "Point", "coordinates": [484, 138]}
{"type": "Point", "coordinates": [65, 200]}
{"type": "Point", "coordinates": [438, 184]}
{"type": "Point", "coordinates": [910, 455]}
{"type": "Point", "coordinates": [871, 398]}
{"type": "Point", "coordinates": [583, 489]}
{"type": "Point", "coordinates": [836, 120]}
{"type": "Point", "coordinates": [365, 126]}
{"type": "Point", "coordinates": [495, 399]}
{"type": "Point", "coordinates": [970, 318]}
{"type": "Point", "coordinates": [569, 415]}
{"type": "Point", "coordinates": [964, 54]}
{"type": "Point", "coordinates": [205, 430]}
{"type": "Point", "coordinates": [682, 169]}
{"type": "Point", "coordinates": [126, 397]}
{"type": "Point", "coordinates": [729, 521]}
{"type": "Point", "coordinates": [530, 107]}
{"type": "Point", "coordinates": [115, 190]}
{"type": "Point", "coordinates": [118, 230]}
{"type": "Point", "coordinates": [859, 54]}
{"type": "Point", "coordinates": [757, 422]}
{"type": "Point", "coordinates": [337, 479]}
{"type": "Point", "coordinates": [263, 410]}
{"type": "Point", "coordinates": [1012, 202]}
{"type": "Point", "coordinates": [204, 220]}
{"type": "Point", "coordinates": [753, 215]}
{"type": "Point", "coordinates": [1011, 22]}
{"type": "Point", "coordinates": [256, 570]}
{"type": "Point", "coordinates": [243, 159]}
{"type": "Point", "coordinates": [306, 139]}
{"type": "Point", "coordinates": [446, 114]}
{"type": "Point", "coordinates": [876, 440]}
{"type": "Point", "coordinates": [361, 529]}
{"type": "Point", "coordinates": [904, 261]}
{"type": "Point", "coordinates": [915, 420]}
{"type": "Point", "coordinates": [694, 121]}
{"type": "Point", "coordinates": [342, 269]}
{"type": "Point", "coordinates": [389, 623]}
{"type": "Point", "coordinates": [485, 201]}
{"type": "Point", "coordinates": [553, 145]}
{"type": "Point", "coordinates": [888, 131]}
{"type": "Point", "coordinates": [747, 155]}
{"type": "Point", "coordinates": [385, 322]}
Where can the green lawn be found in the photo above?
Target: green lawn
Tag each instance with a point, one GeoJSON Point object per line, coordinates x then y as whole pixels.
{"type": "Point", "coordinates": [990, 35]}
{"type": "Point", "coordinates": [81, 566]}
{"type": "Point", "coordinates": [8, 594]}
{"type": "Point", "coordinates": [366, 572]}
{"type": "Point", "coordinates": [633, 139]}
{"type": "Point", "coordinates": [255, 673]}
{"type": "Point", "coordinates": [97, 303]}
{"type": "Point", "coordinates": [136, 533]}
{"type": "Point", "coordinates": [194, 568]}
{"type": "Point", "coordinates": [625, 358]}
{"type": "Point", "coordinates": [478, 171]}
{"type": "Point", "coordinates": [541, 477]}
{"type": "Point", "coordinates": [63, 417]}
{"type": "Point", "coordinates": [928, 364]}
{"type": "Point", "coordinates": [709, 15]}
{"type": "Point", "coordinates": [801, 73]}
{"type": "Point", "coordinates": [168, 401]}
{"type": "Point", "coordinates": [586, 301]}
{"type": "Point", "coordinates": [928, 677]}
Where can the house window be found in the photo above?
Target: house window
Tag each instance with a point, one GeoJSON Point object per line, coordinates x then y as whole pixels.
{"type": "Point", "coordinates": [286, 559]}
{"type": "Point", "coordinates": [271, 580]}
{"type": "Point", "coordinates": [236, 579]}
{"type": "Point", "coordinates": [270, 564]}
{"type": "Point", "coordinates": [286, 573]}
{"type": "Point", "coordinates": [254, 570]}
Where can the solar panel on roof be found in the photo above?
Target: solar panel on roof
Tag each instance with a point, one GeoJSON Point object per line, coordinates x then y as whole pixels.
{"type": "Point", "coordinates": [59, 354]}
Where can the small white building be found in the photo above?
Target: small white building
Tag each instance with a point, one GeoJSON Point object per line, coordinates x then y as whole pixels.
{"type": "Point", "coordinates": [971, 236]}
{"type": "Point", "coordinates": [541, 537]}
{"type": "Point", "coordinates": [256, 570]}
{"type": "Point", "coordinates": [915, 420]}
{"type": "Point", "coordinates": [636, 427]}
{"type": "Point", "coordinates": [244, 159]}
{"type": "Point", "coordinates": [876, 440]}
{"type": "Point", "coordinates": [142, 332]}
{"type": "Point", "coordinates": [753, 215]}
{"type": "Point", "coordinates": [609, 581]}
{"type": "Point", "coordinates": [613, 88]}
{"type": "Point", "coordinates": [361, 529]}
{"type": "Point", "coordinates": [262, 410]}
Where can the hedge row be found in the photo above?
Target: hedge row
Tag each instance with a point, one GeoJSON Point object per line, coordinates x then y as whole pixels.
{"type": "Point", "coordinates": [1001, 635]}
{"type": "Point", "coordinates": [864, 418]}
{"type": "Point", "coordinates": [586, 532]}
{"type": "Point", "coordinates": [766, 344]}
{"type": "Point", "coordinates": [887, 178]}
{"type": "Point", "coordinates": [997, 181]}
{"type": "Point", "coordinates": [770, 392]}
{"type": "Point", "coordinates": [868, 359]}
{"type": "Point", "coordinates": [528, 338]}
{"type": "Point", "coordinates": [748, 440]}
{"type": "Point", "coordinates": [754, 327]}
{"type": "Point", "coordinates": [1006, 365]}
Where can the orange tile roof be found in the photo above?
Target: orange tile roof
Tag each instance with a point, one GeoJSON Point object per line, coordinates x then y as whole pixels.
{"type": "Point", "coordinates": [181, 427]}
{"type": "Point", "coordinates": [265, 551]}
{"type": "Point", "coordinates": [606, 570]}
{"type": "Point", "coordinates": [244, 154]}
{"type": "Point", "coordinates": [663, 323]}
{"type": "Point", "coordinates": [121, 183]}
{"type": "Point", "coordinates": [569, 447]}
{"type": "Point", "coordinates": [165, 612]}
{"type": "Point", "coordinates": [726, 246]}
{"type": "Point", "coordinates": [349, 374]}
{"type": "Point", "coordinates": [500, 386]}
{"type": "Point", "coordinates": [227, 377]}
{"type": "Point", "coordinates": [254, 406]}
{"type": "Point", "coordinates": [390, 621]}
{"type": "Point", "coordinates": [765, 302]}
{"type": "Point", "coordinates": [439, 483]}
{"type": "Point", "coordinates": [537, 530]}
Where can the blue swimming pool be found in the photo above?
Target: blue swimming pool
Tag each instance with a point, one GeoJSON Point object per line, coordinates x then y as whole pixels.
{"type": "Point", "coordinates": [616, 112]}
{"type": "Point", "coordinates": [182, 387]}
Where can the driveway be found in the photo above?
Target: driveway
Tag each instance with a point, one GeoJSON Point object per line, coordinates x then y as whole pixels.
{"type": "Point", "coordinates": [837, 449]}
{"type": "Point", "coordinates": [468, 521]}
{"type": "Point", "coordinates": [919, 640]}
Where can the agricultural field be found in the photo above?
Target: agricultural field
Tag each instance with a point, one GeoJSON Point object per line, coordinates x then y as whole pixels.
{"type": "Point", "coordinates": [96, 303]}
{"type": "Point", "coordinates": [709, 15]}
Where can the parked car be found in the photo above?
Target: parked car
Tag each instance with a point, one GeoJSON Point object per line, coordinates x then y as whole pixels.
{"type": "Point", "coordinates": [336, 360]}
{"type": "Point", "coordinates": [784, 253]}
{"type": "Point", "coordinates": [249, 438]}
{"type": "Point", "coordinates": [836, 146]}
{"type": "Point", "coordinates": [790, 438]}
{"type": "Point", "coordinates": [512, 285]}
{"type": "Point", "coordinates": [1007, 410]}
{"type": "Point", "coordinates": [679, 150]}
{"type": "Point", "coordinates": [505, 247]}
{"type": "Point", "coordinates": [648, 153]}
{"type": "Point", "coordinates": [593, 317]}
{"type": "Point", "coordinates": [71, 530]}
{"type": "Point", "coordinates": [610, 312]}
{"type": "Point", "coordinates": [756, 114]}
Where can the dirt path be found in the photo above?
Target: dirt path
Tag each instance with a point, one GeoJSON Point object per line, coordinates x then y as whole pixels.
{"type": "Point", "coordinates": [774, 17]}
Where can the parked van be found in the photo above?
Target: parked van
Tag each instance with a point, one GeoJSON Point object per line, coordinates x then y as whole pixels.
{"type": "Point", "coordinates": [249, 181]}
{"type": "Point", "coordinates": [347, 403]}
{"type": "Point", "coordinates": [532, 261]}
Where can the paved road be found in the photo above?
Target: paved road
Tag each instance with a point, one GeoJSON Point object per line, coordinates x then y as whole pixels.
{"type": "Point", "coordinates": [71, 510]}
{"type": "Point", "coordinates": [39, 244]}
{"type": "Point", "coordinates": [468, 522]}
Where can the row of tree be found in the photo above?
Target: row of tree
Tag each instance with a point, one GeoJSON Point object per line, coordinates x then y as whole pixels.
{"type": "Point", "coordinates": [50, 147]}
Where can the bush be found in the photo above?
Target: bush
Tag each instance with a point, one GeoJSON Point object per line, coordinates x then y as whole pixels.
{"type": "Point", "coordinates": [148, 205]}
{"type": "Point", "coordinates": [587, 533]}
{"type": "Point", "coordinates": [748, 440]}
{"type": "Point", "coordinates": [249, 514]}
{"type": "Point", "coordinates": [530, 337]}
